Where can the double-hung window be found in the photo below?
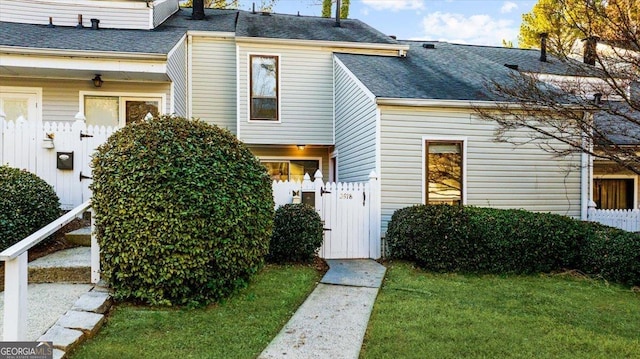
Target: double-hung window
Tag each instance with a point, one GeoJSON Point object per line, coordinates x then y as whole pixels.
{"type": "Point", "coordinates": [264, 87]}
{"type": "Point", "coordinates": [444, 161]}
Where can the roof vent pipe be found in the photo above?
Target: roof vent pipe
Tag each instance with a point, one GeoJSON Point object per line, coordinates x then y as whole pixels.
{"type": "Point", "coordinates": [590, 44]}
{"type": "Point", "coordinates": [51, 25]}
{"type": "Point", "coordinates": [197, 12]}
{"type": "Point", "coordinates": [79, 26]}
{"type": "Point", "coordinates": [95, 24]}
{"type": "Point", "coordinates": [337, 24]}
{"type": "Point", "coordinates": [543, 46]}
{"type": "Point", "coordinates": [597, 98]}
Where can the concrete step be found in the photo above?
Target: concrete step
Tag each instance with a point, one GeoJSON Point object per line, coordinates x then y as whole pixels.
{"type": "Point", "coordinates": [71, 265]}
{"type": "Point", "coordinates": [80, 237]}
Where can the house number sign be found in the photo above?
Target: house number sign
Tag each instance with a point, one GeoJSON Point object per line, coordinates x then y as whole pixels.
{"type": "Point", "coordinates": [346, 196]}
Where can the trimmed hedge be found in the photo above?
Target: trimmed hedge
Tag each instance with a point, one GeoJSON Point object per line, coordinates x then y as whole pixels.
{"type": "Point", "coordinates": [487, 240]}
{"type": "Point", "coordinates": [27, 204]}
{"type": "Point", "coordinates": [184, 211]}
{"type": "Point", "coordinates": [297, 234]}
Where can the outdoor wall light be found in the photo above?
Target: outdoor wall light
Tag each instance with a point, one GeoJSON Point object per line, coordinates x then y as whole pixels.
{"type": "Point", "coordinates": [300, 147]}
{"type": "Point", "coordinates": [97, 81]}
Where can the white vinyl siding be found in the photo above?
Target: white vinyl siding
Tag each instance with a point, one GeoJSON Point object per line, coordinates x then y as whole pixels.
{"type": "Point", "coordinates": [61, 97]}
{"type": "Point", "coordinates": [213, 81]}
{"type": "Point", "coordinates": [498, 175]}
{"type": "Point", "coordinates": [356, 114]}
{"type": "Point", "coordinates": [163, 9]}
{"type": "Point", "coordinates": [177, 71]}
{"type": "Point", "coordinates": [112, 14]}
{"type": "Point", "coordinates": [305, 97]}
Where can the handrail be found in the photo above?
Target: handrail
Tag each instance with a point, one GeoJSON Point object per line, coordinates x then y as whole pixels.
{"type": "Point", "coordinates": [27, 243]}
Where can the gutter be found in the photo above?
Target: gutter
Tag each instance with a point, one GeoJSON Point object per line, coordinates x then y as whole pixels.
{"type": "Point", "coordinates": [324, 43]}
{"type": "Point", "coordinates": [465, 104]}
{"type": "Point", "coordinates": [82, 53]}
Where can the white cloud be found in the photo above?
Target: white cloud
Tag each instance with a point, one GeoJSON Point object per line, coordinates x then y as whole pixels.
{"type": "Point", "coordinates": [508, 7]}
{"type": "Point", "coordinates": [395, 5]}
{"type": "Point", "coordinates": [474, 29]}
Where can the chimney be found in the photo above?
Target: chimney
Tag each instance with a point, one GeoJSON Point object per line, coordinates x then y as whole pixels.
{"type": "Point", "coordinates": [337, 24]}
{"type": "Point", "coordinates": [198, 10]}
{"type": "Point", "coordinates": [95, 24]}
{"type": "Point", "coordinates": [543, 46]}
{"type": "Point", "coordinates": [590, 55]}
{"type": "Point", "coordinates": [79, 26]}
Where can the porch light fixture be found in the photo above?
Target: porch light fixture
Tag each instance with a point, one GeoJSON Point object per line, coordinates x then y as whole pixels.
{"type": "Point", "coordinates": [300, 147]}
{"type": "Point", "coordinates": [97, 81]}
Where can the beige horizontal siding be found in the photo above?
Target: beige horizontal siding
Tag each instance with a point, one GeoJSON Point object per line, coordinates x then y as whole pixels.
{"type": "Point", "coordinates": [306, 97]}
{"type": "Point", "coordinates": [112, 14]}
{"type": "Point", "coordinates": [213, 81]}
{"type": "Point", "coordinates": [61, 98]}
{"type": "Point", "coordinates": [497, 174]}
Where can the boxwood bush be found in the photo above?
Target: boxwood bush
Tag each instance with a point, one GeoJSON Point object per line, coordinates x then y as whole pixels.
{"type": "Point", "coordinates": [297, 234]}
{"type": "Point", "coordinates": [27, 204]}
{"type": "Point", "coordinates": [184, 211]}
{"type": "Point", "coordinates": [486, 240]}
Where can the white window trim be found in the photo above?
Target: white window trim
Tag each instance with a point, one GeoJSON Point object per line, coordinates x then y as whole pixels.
{"type": "Point", "coordinates": [278, 82]}
{"type": "Point", "coordinates": [125, 96]}
{"type": "Point", "coordinates": [289, 158]}
{"type": "Point", "coordinates": [623, 176]}
{"type": "Point", "coordinates": [464, 163]}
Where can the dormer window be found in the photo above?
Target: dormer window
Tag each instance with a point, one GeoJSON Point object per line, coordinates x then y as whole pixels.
{"type": "Point", "coordinates": [264, 87]}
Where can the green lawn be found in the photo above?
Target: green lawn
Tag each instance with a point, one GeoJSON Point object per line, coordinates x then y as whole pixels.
{"type": "Point", "coordinates": [241, 327]}
{"type": "Point", "coordinates": [424, 315]}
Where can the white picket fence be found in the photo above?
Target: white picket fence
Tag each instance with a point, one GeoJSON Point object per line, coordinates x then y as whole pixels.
{"type": "Point", "coordinates": [350, 213]}
{"type": "Point", "coordinates": [36, 148]}
{"type": "Point", "coordinates": [627, 219]}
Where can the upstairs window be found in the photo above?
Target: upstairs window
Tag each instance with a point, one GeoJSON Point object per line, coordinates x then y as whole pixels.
{"type": "Point", "coordinates": [444, 172]}
{"type": "Point", "coordinates": [264, 87]}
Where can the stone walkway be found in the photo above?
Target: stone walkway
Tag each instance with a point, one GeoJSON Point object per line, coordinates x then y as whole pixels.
{"type": "Point", "coordinates": [331, 323]}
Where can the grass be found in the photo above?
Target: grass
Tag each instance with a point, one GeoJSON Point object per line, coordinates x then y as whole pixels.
{"type": "Point", "coordinates": [241, 327]}
{"type": "Point", "coordinates": [424, 315]}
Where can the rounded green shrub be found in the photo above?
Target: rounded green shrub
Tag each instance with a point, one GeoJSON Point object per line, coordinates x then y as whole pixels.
{"type": "Point", "coordinates": [297, 234]}
{"type": "Point", "coordinates": [183, 211]}
{"type": "Point", "coordinates": [27, 204]}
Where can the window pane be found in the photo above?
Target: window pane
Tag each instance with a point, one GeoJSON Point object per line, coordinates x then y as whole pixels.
{"type": "Point", "coordinates": [263, 80]}
{"type": "Point", "coordinates": [613, 193]}
{"type": "Point", "coordinates": [137, 110]}
{"type": "Point", "coordinates": [14, 108]}
{"type": "Point", "coordinates": [265, 108]}
{"type": "Point", "coordinates": [444, 161]}
{"type": "Point", "coordinates": [101, 110]}
{"type": "Point", "coordinates": [264, 87]}
{"type": "Point", "coordinates": [278, 171]}
{"type": "Point", "coordinates": [300, 167]}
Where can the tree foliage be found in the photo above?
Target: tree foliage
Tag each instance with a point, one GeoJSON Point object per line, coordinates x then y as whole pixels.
{"type": "Point", "coordinates": [215, 4]}
{"type": "Point", "coordinates": [344, 8]}
{"type": "Point", "coordinates": [593, 109]}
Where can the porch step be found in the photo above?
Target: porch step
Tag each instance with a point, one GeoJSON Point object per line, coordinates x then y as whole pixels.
{"type": "Point", "coordinates": [71, 265]}
{"type": "Point", "coordinates": [80, 237]}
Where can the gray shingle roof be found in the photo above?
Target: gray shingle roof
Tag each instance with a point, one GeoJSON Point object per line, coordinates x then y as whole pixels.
{"type": "Point", "coordinates": [281, 26]}
{"type": "Point", "coordinates": [446, 72]}
{"type": "Point", "coordinates": [164, 37]}
{"type": "Point", "coordinates": [618, 124]}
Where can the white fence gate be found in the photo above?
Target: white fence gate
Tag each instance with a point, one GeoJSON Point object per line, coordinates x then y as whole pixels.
{"type": "Point", "coordinates": [39, 149]}
{"type": "Point", "coordinates": [627, 219]}
{"type": "Point", "coordinates": [350, 213]}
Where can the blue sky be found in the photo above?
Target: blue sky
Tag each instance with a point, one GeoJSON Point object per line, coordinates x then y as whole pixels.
{"type": "Point", "coordinates": [462, 21]}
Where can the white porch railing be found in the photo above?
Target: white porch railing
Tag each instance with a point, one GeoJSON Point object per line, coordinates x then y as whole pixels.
{"type": "Point", "coordinates": [16, 272]}
{"type": "Point", "coordinates": [627, 219]}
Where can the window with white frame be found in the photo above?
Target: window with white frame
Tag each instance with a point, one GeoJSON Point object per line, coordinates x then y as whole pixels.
{"type": "Point", "coordinates": [614, 193]}
{"type": "Point", "coordinates": [443, 164]}
{"type": "Point", "coordinates": [290, 170]}
{"type": "Point", "coordinates": [116, 110]}
{"type": "Point", "coordinates": [263, 84]}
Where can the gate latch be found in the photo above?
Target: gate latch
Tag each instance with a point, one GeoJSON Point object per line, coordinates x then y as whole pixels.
{"type": "Point", "coordinates": [84, 177]}
{"type": "Point", "coordinates": [83, 135]}
{"type": "Point", "coordinates": [322, 191]}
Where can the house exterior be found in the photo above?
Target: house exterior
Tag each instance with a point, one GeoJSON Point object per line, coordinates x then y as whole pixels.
{"type": "Point", "coordinates": [302, 93]}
